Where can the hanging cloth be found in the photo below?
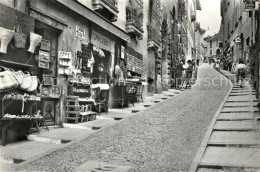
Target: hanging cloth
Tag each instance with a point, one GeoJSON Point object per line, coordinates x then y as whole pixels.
{"type": "Point", "coordinates": [91, 62]}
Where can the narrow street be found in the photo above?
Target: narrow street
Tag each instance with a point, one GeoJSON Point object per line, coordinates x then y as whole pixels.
{"type": "Point", "coordinates": [165, 137]}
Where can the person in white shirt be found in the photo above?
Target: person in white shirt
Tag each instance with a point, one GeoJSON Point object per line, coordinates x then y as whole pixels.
{"type": "Point", "coordinates": [240, 71]}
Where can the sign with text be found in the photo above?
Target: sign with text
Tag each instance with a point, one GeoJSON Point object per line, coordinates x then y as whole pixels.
{"type": "Point", "coordinates": [101, 41]}
{"type": "Point", "coordinates": [64, 55]}
{"type": "Point", "coordinates": [251, 5]}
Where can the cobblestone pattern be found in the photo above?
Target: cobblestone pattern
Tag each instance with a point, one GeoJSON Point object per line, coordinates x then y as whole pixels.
{"type": "Point", "coordinates": [165, 137]}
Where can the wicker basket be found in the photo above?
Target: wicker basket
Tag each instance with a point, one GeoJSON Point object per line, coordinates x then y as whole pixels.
{"type": "Point", "coordinates": [5, 37]}
{"type": "Point", "coordinates": [19, 38]}
{"type": "Point", "coordinates": [35, 39]}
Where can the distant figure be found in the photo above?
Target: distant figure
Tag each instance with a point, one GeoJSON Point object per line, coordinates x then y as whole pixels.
{"type": "Point", "coordinates": [179, 74]}
{"type": "Point", "coordinates": [229, 65]}
{"type": "Point", "coordinates": [189, 73]}
{"type": "Point", "coordinates": [240, 71]}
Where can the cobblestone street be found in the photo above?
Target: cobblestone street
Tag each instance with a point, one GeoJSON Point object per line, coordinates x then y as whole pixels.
{"type": "Point", "coordinates": [165, 137]}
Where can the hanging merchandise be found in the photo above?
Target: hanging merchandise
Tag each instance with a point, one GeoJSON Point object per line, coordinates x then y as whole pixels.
{"type": "Point", "coordinates": [91, 63]}
{"type": "Point", "coordinates": [35, 39]}
{"type": "Point", "coordinates": [8, 80]}
{"type": "Point", "coordinates": [19, 38]}
{"type": "Point", "coordinates": [27, 80]}
{"type": "Point", "coordinates": [34, 84]}
{"type": "Point", "coordinates": [5, 37]}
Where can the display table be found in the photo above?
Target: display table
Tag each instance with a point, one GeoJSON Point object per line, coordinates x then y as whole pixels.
{"type": "Point", "coordinates": [9, 122]}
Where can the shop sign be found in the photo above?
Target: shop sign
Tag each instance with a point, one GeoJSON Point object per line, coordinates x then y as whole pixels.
{"type": "Point", "coordinates": [44, 56]}
{"type": "Point", "coordinates": [64, 55]}
{"type": "Point", "coordinates": [237, 40]}
{"type": "Point", "coordinates": [251, 5]}
{"type": "Point", "coordinates": [44, 65]}
{"type": "Point", "coordinates": [80, 33]}
{"type": "Point", "coordinates": [100, 41]}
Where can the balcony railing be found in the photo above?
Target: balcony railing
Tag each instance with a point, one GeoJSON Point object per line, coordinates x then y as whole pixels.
{"type": "Point", "coordinates": [104, 6]}
{"type": "Point", "coordinates": [112, 2]}
{"type": "Point", "coordinates": [132, 17]}
{"type": "Point", "coordinates": [134, 21]}
{"type": "Point", "coordinates": [154, 36]}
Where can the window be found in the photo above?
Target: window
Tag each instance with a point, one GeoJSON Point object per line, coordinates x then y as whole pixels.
{"type": "Point", "coordinates": [210, 52]}
{"type": "Point", "coordinates": [220, 44]}
{"type": "Point", "coordinates": [210, 44]}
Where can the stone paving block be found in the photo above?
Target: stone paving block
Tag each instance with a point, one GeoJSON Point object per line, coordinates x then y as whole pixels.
{"type": "Point", "coordinates": [239, 104]}
{"type": "Point", "coordinates": [236, 125]}
{"type": "Point", "coordinates": [63, 134]}
{"type": "Point", "coordinates": [95, 166]}
{"type": "Point", "coordinates": [235, 116]}
{"type": "Point", "coordinates": [97, 123]}
{"type": "Point", "coordinates": [25, 149]}
{"type": "Point", "coordinates": [239, 109]}
{"type": "Point", "coordinates": [230, 156]}
{"type": "Point", "coordinates": [233, 137]}
{"type": "Point", "coordinates": [118, 115]}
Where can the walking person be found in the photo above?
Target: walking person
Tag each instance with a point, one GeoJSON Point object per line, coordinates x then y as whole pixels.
{"type": "Point", "coordinates": [240, 71]}
{"type": "Point", "coordinates": [189, 74]}
{"type": "Point", "coordinates": [179, 74]}
{"type": "Point", "coordinates": [229, 65]}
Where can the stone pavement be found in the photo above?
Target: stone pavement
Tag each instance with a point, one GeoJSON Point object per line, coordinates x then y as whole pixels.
{"type": "Point", "coordinates": [164, 137]}
{"type": "Point", "coordinates": [232, 142]}
{"type": "Point", "coordinates": [40, 144]}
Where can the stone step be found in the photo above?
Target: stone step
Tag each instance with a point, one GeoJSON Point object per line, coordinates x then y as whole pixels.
{"type": "Point", "coordinates": [239, 104]}
{"type": "Point", "coordinates": [241, 99]}
{"type": "Point", "coordinates": [236, 125]}
{"type": "Point", "coordinates": [234, 138]}
{"type": "Point", "coordinates": [231, 157]}
{"type": "Point", "coordinates": [235, 116]}
{"type": "Point", "coordinates": [241, 94]}
{"type": "Point", "coordinates": [239, 109]}
{"type": "Point", "coordinates": [242, 91]}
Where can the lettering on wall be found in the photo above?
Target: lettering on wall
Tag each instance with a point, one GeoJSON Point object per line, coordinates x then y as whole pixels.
{"type": "Point", "coordinates": [100, 41]}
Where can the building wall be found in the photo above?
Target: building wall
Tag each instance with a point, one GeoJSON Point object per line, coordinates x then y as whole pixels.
{"type": "Point", "coordinates": [236, 23]}
{"type": "Point", "coordinates": [190, 28]}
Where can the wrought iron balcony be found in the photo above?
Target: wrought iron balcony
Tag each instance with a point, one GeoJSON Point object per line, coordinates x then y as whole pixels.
{"type": "Point", "coordinates": [134, 22]}
{"type": "Point", "coordinates": [154, 37]}
{"type": "Point", "coordinates": [107, 8]}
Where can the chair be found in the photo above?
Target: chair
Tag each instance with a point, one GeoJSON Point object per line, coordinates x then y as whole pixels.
{"type": "Point", "coordinates": [101, 101]}
{"type": "Point", "coordinates": [86, 114]}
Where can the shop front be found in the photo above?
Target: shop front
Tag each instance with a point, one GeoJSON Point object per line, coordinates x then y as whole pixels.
{"type": "Point", "coordinates": [21, 99]}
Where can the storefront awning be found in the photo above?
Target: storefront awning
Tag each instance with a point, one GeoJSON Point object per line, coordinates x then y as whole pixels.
{"type": "Point", "coordinates": [95, 18]}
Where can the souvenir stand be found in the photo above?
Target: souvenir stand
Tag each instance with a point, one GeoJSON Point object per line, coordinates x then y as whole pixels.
{"type": "Point", "coordinates": [18, 84]}
{"type": "Point", "coordinates": [79, 100]}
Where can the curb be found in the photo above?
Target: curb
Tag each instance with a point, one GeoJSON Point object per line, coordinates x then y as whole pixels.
{"type": "Point", "coordinates": [34, 158]}
{"type": "Point", "coordinates": [196, 161]}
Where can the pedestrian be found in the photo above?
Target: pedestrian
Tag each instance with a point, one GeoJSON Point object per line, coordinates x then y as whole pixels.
{"type": "Point", "coordinates": [179, 74]}
{"type": "Point", "coordinates": [188, 73]}
{"type": "Point", "coordinates": [229, 65]}
{"type": "Point", "coordinates": [240, 71]}
{"type": "Point", "coordinates": [217, 64]}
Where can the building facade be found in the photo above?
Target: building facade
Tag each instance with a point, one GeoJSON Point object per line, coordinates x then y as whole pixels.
{"type": "Point", "coordinates": [134, 40]}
